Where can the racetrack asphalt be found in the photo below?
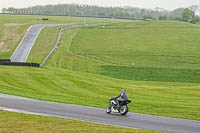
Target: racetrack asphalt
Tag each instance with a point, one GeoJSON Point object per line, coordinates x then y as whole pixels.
{"type": "Point", "coordinates": [22, 51]}
{"type": "Point", "coordinates": [98, 115]}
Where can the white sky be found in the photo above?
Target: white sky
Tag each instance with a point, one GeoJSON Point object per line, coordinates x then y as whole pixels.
{"type": "Point", "coordinates": [166, 4]}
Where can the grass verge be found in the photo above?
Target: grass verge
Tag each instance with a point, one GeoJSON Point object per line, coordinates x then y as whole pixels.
{"type": "Point", "coordinates": [18, 123]}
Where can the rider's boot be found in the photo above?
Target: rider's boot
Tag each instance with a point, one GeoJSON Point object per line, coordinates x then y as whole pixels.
{"type": "Point", "coordinates": [117, 106]}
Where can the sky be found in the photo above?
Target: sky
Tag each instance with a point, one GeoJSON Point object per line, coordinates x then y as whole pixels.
{"type": "Point", "coordinates": [166, 4]}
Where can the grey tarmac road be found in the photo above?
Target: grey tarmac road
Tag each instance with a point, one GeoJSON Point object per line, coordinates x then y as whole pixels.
{"type": "Point", "coordinates": [22, 51]}
{"type": "Point", "coordinates": [97, 115]}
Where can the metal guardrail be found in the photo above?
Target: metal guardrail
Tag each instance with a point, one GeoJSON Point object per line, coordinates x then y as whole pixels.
{"type": "Point", "coordinates": [5, 60]}
{"type": "Point", "coordinates": [8, 62]}
{"type": "Point", "coordinates": [55, 47]}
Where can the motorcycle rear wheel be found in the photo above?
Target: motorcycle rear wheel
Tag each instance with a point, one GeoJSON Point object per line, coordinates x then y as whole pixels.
{"type": "Point", "coordinates": [123, 110]}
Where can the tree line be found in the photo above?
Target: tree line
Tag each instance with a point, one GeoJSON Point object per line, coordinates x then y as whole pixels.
{"type": "Point", "coordinates": [181, 14]}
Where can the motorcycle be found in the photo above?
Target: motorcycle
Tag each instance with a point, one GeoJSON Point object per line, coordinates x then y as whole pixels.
{"type": "Point", "coordinates": [122, 108]}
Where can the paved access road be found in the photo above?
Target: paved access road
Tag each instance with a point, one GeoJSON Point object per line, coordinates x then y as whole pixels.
{"type": "Point", "coordinates": [22, 51]}
{"type": "Point", "coordinates": [98, 115]}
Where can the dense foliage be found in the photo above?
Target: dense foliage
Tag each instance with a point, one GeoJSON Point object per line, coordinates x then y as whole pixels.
{"type": "Point", "coordinates": [107, 12]}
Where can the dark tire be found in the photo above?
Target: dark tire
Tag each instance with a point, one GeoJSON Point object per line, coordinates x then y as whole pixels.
{"type": "Point", "coordinates": [123, 110]}
{"type": "Point", "coordinates": [108, 110]}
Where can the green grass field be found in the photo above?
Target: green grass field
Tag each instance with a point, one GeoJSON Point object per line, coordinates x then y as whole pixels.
{"type": "Point", "coordinates": [171, 99]}
{"type": "Point", "coordinates": [18, 123]}
{"type": "Point", "coordinates": [155, 51]}
{"type": "Point", "coordinates": [156, 62]}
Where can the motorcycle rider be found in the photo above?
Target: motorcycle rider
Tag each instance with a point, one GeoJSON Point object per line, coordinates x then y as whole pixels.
{"type": "Point", "coordinates": [123, 96]}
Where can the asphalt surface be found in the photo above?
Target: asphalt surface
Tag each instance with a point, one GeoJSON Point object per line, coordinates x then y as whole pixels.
{"type": "Point", "coordinates": [97, 115]}
{"type": "Point", "coordinates": [22, 51]}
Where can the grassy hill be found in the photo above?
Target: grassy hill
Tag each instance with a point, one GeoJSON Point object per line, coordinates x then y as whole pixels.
{"type": "Point", "coordinates": [147, 51]}
{"type": "Point", "coordinates": [142, 44]}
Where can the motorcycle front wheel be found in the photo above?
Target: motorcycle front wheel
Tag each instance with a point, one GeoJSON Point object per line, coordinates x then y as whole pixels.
{"type": "Point", "coordinates": [123, 110]}
{"type": "Point", "coordinates": [108, 110]}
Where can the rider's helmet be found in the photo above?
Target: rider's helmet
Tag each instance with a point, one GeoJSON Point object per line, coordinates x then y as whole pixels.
{"type": "Point", "coordinates": [123, 91]}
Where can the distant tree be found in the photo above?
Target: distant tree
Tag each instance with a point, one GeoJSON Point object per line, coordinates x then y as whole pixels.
{"type": "Point", "coordinates": [121, 14]}
{"type": "Point", "coordinates": [4, 10]}
{"type": "Point", "coordinates": [177, 18]}
{"type": "Point", "coordinates": [114, 12]}
{"type": "Point", "coordinates": [132, 16]}
{"type": "Point", "coordinates": [194, 19]}
{"type": "Point", "coordinates": [186, 14]}
{"type": "Point", "coordinates": [110, 15]}
{"type": "Point", "coordinates": [193, 9]}
{"type": "Point", "coordinates": [101, 14]}
{"type": "Point", "coordinates": [45, 12]}
{"type": "Point", "coordinates": [66, 13]}
{"type": "Point", "coordinates": [126, 15]}
{"type": "Point", "coordinates": [79, 13]}
{"type": "Point", "coordinates": [11, 10]}
{"type": "Point", "coordinates": [147, 16]}
{"type": "Point", "coordinates": [162, 17]}
{"type": "Point", "coordinates": [143, 12]}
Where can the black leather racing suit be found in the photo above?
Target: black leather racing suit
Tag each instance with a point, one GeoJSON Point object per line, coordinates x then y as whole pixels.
{"type": "Point", "coordinates": [123, 96]}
